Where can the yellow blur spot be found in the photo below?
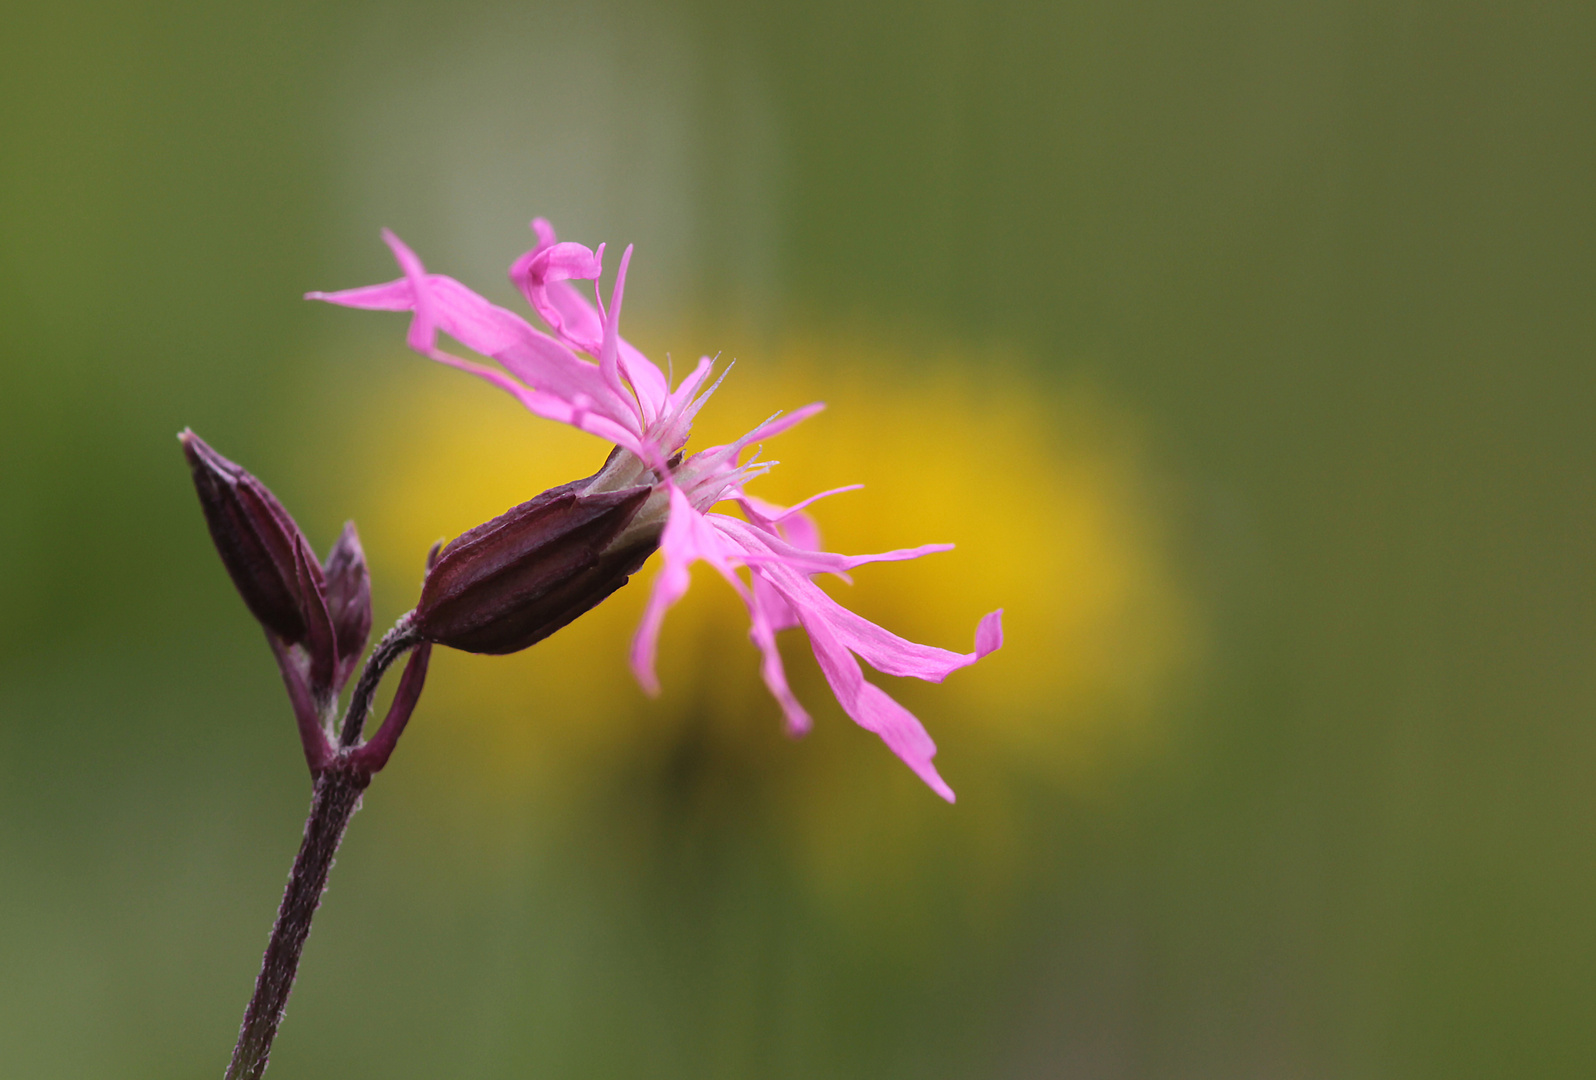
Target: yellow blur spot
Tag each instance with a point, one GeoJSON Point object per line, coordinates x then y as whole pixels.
{"type": "Point", "coordinates": [1047, 493]}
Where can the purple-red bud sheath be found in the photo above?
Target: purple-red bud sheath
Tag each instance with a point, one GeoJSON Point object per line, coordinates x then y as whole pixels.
{"type": "Point", "coordinates": [267, 557]}
{"type": "Point", "coordinates": [515, 580]}
{"type": "Point", "coordinates": [348, 600]}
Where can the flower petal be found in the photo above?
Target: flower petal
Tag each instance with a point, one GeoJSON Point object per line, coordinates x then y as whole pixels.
{"type": "Point", "coordinates": [544, 276]}
{"type": "Point", "coordinates": [689, 537]}
{"type": "Point", "coordinates": [778, 424]}
{"type": "Point", "coordinates": [791, 523]}
{"type": "Point", "coordinates": [609, 349]}
{"type": "Point", "coordinates": [780, 613]}
{"type": "Point", "coordinates": [442, 303]}
{"type": "Point", "coordinates": [769, 546]}
{"type": "Point", "coordinates": [989, 635]}
{"type": "Point", "coordinates": [684, 541]}
{"type": "Point", "coordinates": [763, 625]}
{"type": "Point", "coordinates": [871, 708]}
{"type": "Point", "coordinates": [881, 649]}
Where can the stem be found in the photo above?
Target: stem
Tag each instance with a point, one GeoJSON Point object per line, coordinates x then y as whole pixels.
{"type": "Point", "coordinates": [394, 644]}
{"type": "Point", "coordinates": [371, 755]}
{"type": "Point", "coordinates": [337, 796]}
{"type": "Point", "coordinates": [336, 799]}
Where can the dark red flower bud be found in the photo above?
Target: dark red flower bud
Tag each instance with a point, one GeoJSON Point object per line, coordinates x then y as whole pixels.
{"type": "Point", "coordinates": [348, 601]}
{"type": "Point", "coordinates": [514, 581]}
{"type": "Point", "coordinates": [267, 557]}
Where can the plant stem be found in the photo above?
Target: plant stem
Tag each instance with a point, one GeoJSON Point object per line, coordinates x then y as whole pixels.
{"type": "Point", "coordinates": [394, 644]}
{"type": "Point", "coordinates": [336, 799]}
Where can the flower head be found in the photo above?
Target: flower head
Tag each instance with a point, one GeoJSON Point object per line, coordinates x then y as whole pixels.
{"type": "Point", "coordinates": [769, 556]}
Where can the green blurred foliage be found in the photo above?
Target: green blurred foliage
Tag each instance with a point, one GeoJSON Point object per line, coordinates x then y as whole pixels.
{"type": "Point", "coordinates": [1338, 257]}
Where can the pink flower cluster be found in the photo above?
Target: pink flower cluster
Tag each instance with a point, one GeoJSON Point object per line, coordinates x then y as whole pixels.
{"type": "Point", "coordinates": [622, 397]}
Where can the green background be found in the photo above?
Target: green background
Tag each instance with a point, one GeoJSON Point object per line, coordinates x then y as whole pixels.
{"type": "Point", "coordinates": [1336, 256]}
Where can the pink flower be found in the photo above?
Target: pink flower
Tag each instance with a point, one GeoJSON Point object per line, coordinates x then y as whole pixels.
{"type": "Point", "coordinates": [625, 399]}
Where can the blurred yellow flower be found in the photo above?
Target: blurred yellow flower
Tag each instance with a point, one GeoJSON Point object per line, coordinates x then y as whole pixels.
{"type": "Point", "coordinates": [1047, 492]}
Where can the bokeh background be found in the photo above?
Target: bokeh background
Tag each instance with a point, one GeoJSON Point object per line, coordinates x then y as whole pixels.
{"type": "Point", "coordinates": [1245, 350]}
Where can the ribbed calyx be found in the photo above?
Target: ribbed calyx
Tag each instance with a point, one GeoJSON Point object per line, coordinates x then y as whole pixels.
{"type": "Point", "coordinates": [513, 581]}
{"type": "Point", "coordinates": [265, 554]}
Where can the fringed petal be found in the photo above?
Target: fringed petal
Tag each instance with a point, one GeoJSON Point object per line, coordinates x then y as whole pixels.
{"type": "Point", "coordinates": [771, 547]}
{"type": "Point", "coordinates": [792, 523]}
{"type": "Point", "coordinates": [544, 276]}
{"type": "Point", "coordinates": [777, 610]}
{"type": "Point", "coordinates": [989, 634]}
{"type": "Point", "coordinates": [871, 708]}
{"type": "Point", "coordinates": [443, 304]}
{"type": "Point", "coordinates": [609, 349]}
{"type": "Point", "coordinates": [763, 624]}
{"type": "Point", "coordinates": [685, 540]}
{"type": "Point", "coordinates": [880, 648]}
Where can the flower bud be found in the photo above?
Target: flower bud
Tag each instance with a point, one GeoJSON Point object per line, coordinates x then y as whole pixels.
{"type": "Point", "coordinates": [515, 580]}
{"type": "Point", "coordinates": [348, 601]}
{"type": "Point", "coordinates": [267, 557]}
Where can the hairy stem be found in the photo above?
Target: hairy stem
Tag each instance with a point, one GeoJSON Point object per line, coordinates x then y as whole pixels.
{"type": "Point", "coordinates": [336, 799]}
{"type": "Point", "coordinates": [394, 644]}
